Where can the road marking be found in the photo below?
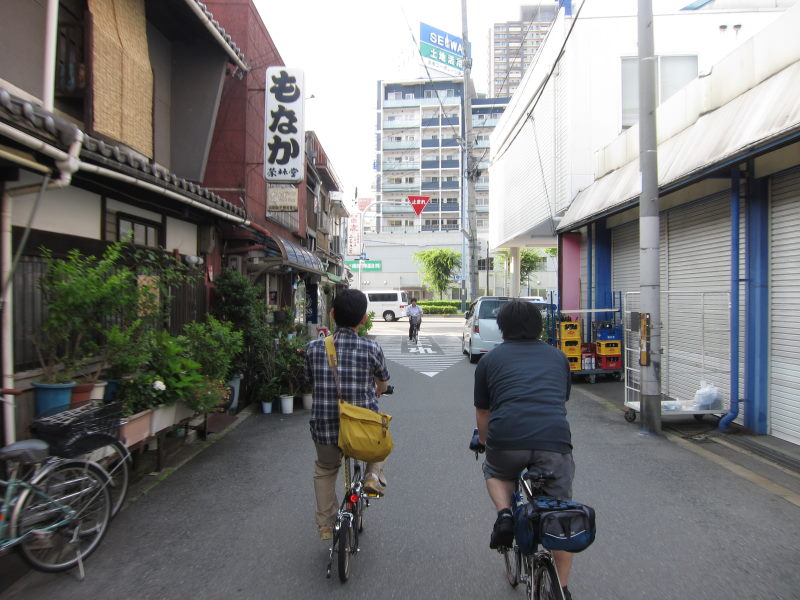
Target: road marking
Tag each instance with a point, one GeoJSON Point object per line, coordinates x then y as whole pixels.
{"type": "Point", "coordinates": [428, 356]}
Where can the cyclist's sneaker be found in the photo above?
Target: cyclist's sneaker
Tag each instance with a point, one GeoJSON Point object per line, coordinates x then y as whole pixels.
{"type": "Point", "coordinates": [567, 595]}
{"type": "Point", "coordinates": [503, 532]}
{"type": "Point", "coordinates": [372, 485]}
{"type": "Point", "coordinates": [325, 533]}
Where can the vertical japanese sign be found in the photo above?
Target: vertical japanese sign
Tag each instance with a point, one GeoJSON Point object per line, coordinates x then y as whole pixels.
{"type": "Point", "coordinates": [418, 203]}
{"type": "Point", "coordinates": [441, 50]}
{"type": "Point", "coordinates": [284, 135]}
{"type": "Point", "coordinates": [354, 235]}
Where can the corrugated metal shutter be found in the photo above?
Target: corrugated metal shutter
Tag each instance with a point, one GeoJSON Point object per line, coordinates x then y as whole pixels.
{"type": "Point", "coordinates": [695, 280]}
{"type": "Point", "coordinates": [584, 269]}
{"type": "Point", "coordinates": [784, 386]}
{"type": "Point", "coordinates": [625, 258]}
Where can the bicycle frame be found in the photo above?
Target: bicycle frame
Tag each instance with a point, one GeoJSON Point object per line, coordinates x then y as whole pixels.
{"type": "Point", "coordinates": [347, 518]}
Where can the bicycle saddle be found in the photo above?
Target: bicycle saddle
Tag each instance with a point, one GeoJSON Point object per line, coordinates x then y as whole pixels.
{"type": "Point", "coordinates": [539, 475]}
{"type": "Point", "coordinates": [26, 452]}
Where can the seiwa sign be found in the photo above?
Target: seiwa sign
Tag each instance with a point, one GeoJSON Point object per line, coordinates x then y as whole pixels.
{"type": "Point", "coordinates": [441, 50]}
{"type": "Point", "coordinates": [284, 135]}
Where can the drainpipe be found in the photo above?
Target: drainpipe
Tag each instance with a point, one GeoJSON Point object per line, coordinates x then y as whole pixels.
{"type": "Point", "coordinates": [733, 411]}
{"type": "Point", "coordinates": [589, 282]}
{"type": "Point", "coordinates": [50, 38]}
{"type": "Point", "coordinates": [9, 406]}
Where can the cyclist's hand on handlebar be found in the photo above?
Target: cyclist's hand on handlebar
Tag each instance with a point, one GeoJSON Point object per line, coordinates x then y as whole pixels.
{"type": "Point", "coordinates": [475, 444]}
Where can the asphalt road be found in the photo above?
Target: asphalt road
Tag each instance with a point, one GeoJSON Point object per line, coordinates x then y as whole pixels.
{"type": "Point", "coordinates": [237, 520]}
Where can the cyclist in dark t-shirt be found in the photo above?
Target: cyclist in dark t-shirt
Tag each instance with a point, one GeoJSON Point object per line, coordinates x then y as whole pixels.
{"type": "Point", "coordinates": [521, 389]}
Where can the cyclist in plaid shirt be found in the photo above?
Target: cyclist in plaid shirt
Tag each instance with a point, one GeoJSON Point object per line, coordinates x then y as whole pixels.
{"type": "Point", "coordinates": [363, 378]}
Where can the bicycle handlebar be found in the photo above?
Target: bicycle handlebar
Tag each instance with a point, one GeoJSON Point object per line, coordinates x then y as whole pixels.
{"type": "Point", "coordinates": [475, 445]}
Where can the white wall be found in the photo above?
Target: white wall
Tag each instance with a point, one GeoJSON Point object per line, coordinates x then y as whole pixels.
{"type": "Point", "coordinates": [181, 235]}
{"type": "Point", "coordinates": [67, 210]}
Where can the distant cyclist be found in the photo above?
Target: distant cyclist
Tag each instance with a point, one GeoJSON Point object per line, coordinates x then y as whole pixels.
{"type": "Point", "coordinates": [521, 390]}
{"type": "Point", "coordinates": [414, 313]}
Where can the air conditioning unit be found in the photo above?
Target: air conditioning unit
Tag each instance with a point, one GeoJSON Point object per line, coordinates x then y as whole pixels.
{"type": "Point", "coordinates": [235, 262]}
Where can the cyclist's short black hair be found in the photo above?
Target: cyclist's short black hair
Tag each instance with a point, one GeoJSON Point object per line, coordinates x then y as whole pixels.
{"type": "Point", "coordinates": [519, 320]}
{"type": "Point", "coordinates": [349, 307]}
{"type": "Point", "coordinates": [413, 300]}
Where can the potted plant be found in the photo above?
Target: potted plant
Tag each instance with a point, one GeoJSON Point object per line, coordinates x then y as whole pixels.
{"type": "Point", "coordinates": [266, 394]}
{"type": "Point", "coordinates": [289, 362]}
{"type": "Point", "coordinates": [139, 394]}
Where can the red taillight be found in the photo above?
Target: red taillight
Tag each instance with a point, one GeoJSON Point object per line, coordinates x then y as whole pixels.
{"type": "Point", "coordinates": [476, 328]}
{"type": "Point", "coordinates": [402, 306]}
{"type": "Point", "coordinates": [353, 498]}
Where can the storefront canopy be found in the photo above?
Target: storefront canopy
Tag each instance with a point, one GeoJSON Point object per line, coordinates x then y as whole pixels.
{"type": "Point", "coordinates": [298, 257]}
{"type": "Point", "coordinates": [762, 118]}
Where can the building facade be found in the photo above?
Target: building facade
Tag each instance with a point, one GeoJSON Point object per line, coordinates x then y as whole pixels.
{"type": "Point", "coordinates": [513, 46]}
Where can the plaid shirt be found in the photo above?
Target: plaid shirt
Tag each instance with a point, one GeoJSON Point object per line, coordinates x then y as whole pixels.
{"type": "Point", "coordinates": [360, 360]}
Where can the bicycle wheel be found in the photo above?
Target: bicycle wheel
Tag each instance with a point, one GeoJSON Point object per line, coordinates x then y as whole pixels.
{"type": "Point", "coordinates": [344, 550]}
{"type": "Point", "coordinates": [79, 486]}
{"type": "Point", "coordinates": [511, 563]}
{"type": "Point", "coordinates": [545, 581]}
{"type": "Point", "coordinates": [115, 459]}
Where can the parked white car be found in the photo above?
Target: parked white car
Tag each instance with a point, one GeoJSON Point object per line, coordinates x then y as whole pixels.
{"type": "Point", "coordinates": [481, 332]}
{"type": "Point", "coordinates": [388, 304]}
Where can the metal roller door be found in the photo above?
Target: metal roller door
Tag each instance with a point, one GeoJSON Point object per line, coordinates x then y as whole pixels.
{"type": "Point", "coordinates": [784, 386]}
{"type": "Point", "coordinates": [695, 258]}
{"type": "Point", "coordinates": [625, 258]}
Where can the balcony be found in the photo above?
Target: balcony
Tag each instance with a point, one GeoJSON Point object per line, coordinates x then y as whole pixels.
{"type": "Point", "coordinates": [401, 166]}
{"type": "Point", "coordinates": [478, 122]}
{"type": "Point", "coordinates": [404, 124]}
{"type": "Point", "coordinates": [482, 186]}
{"type": "Point", "coordinates": [434, 143]}
{"type": "Point", "coordinates": [451, 164]}
{"type": "Point", "coordinates": [451, 185]}
{"type": "Point", "coordinates": [404, 145]}
{"type": "Point", "coordinates": [450, 142]}
{"type": "Point", "coordinates": [434, 122]}
{"type": "Point", "coordinates": [430, 164]}
{"type": "Point", "coordinates": [399, 187]}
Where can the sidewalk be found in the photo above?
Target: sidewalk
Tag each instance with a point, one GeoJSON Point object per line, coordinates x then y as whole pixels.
{"type": "Point", "coordinates": [767, 459]}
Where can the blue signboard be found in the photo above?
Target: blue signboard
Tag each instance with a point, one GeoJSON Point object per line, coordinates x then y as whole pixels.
{"type": "Point", "coordinates": [441, 50]}
{"type": "Point", "coordinates": [441, 39]}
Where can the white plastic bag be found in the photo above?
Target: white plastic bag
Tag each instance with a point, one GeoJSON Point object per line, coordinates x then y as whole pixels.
{"type": "Point", "coordinates": [708, 397]}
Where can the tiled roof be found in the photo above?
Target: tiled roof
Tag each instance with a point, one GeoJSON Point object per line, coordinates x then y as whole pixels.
{"type": "Point", "coordinates": [61, 133]}
{"type": "Point", "coordinates": [225, 36]}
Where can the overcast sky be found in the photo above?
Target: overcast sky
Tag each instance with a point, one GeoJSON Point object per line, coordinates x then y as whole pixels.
{"type": "Point", "coordinates": [346, 47]}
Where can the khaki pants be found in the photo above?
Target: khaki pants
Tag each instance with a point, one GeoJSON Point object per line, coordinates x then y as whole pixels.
{"type": "Point", "coordinates": [326, 468]}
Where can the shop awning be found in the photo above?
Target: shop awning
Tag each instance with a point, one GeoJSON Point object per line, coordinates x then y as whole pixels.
{"type": "Point", "coordinates": [298, 257]}
{"type": "Point", "coordinates": [752, 123]}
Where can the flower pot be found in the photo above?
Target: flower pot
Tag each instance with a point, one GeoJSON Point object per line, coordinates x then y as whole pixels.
{"type": "Point", "coordinates": [110, 392]}
{"type": "Point", "coordinates": [136, 428]}
{"type": "Point", "coordinates": [163, 417]}
{"type": "Point", "coordinates": [81, 393]}
{"type": "Point", "coordinates": [99, 390]}
{"type": "Point", "coordinates": [52, 397]}
{"type": "Point", "coordinates": [308, 400]}
{"type": "Point", "coordinates": [287, 404]}
{"type": "Point", "coordinates": [182, 411]}
{"type": "Point", "coordinates": [266, 407]}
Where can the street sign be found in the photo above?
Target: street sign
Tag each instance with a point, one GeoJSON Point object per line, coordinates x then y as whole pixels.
{"type": "Point", "coordinates": [418, 203]}
{"type": "Point", "coordinates": [460, 277]}
{"type": "Point", "coordinates": [365, 265]}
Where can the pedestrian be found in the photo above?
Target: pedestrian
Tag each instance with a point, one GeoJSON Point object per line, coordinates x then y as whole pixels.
{"type": "Point", "coordinates": [414, 313]}
{"type": "Point", "coordinates": [363, 378]}
{"type": "Point", "coordinates": [520, 395]}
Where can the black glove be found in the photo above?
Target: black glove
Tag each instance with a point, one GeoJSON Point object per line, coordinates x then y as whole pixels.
{"type": "Point", "coordinates": [475, 445]}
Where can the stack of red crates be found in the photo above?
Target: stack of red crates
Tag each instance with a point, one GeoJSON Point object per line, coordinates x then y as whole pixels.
{"type": "Point", "coordinates": [608, 349]}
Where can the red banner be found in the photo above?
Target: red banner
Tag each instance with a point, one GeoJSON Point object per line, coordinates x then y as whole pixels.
{"type": "Point", "coordinates": [418, 203]}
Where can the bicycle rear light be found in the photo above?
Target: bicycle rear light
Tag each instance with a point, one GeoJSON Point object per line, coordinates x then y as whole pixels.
{"type": "Point", "coordinates": [353, 498]}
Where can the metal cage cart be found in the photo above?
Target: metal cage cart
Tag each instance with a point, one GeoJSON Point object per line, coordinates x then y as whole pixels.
{"type": "Point", "coordinates": [699, 319]}
{"type": "Point", "coordinates": [602, 355]}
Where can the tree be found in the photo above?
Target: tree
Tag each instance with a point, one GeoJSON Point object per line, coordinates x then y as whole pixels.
{"type": "Point", "coordinates": [530, 260]}
{"type": "Point", "coordinates": [438, 266]}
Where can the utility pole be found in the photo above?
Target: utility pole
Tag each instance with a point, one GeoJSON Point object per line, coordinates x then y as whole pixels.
{"type": "Point", "coordinates": [649, 266]}
{"type": "Point", "coordinates": [469, 166]}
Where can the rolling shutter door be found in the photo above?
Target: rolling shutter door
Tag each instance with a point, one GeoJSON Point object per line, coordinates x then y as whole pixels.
{"type": "Point", "coordinates": [695, 281]}
{"type": "Point", "coordinates": [625, 258]}
{"type": "Point", "coordinates": [784, 386]}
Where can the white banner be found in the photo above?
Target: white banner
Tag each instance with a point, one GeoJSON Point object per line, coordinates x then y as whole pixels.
{"type": "Point", "coordinates": [284, 134]}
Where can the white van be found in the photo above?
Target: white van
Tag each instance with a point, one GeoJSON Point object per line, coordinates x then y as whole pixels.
{"type": "Point", "coordinates": [389, 304]}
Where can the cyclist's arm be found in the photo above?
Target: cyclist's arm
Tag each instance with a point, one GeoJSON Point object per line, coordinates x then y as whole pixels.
{"type": "Point", "coordinates": [482, 421]}
{"type": "Point", "coordinates": [380, 386]}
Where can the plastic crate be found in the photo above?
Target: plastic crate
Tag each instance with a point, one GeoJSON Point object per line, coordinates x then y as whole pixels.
{"type": "Point", "coordinates": [64, 430]}
{"type": "Point", "coordinates": [609, 362]}
{"type": "Point", "coordinates": [609, 348]}
{"type": "Point", "coordinates": [571, 347]}
{"type": "Point", "coordinates": [574, 363]}
{"type": "Point", "coordinates": [569, 330]}
{"type": "Point", "coordinates": [608, 333]}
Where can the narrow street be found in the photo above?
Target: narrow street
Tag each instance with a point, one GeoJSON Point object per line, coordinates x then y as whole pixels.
{"type": "Point", "coordinates": [237, 520]}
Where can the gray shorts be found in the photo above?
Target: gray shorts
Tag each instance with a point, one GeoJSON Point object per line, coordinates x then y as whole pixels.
{"type": "Point", "coordinates": [508, 464]}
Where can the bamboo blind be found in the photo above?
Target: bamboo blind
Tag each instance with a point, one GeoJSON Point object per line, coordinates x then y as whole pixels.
{"type": "Point", "coordinates": [122, 82]}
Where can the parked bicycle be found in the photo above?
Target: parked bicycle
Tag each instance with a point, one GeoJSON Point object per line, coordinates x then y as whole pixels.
{"type": "Point", "coordinates": [349, 522]}
{"type": "Point", "coordinates": [542, 523]}
{"type": "Point", "coordinates": [55, 511]}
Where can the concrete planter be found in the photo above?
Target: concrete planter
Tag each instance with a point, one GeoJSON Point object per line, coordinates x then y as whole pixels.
{"type": "Point", "coordinates": [136, 428]}
{"type": "Point", "coordinates": [163, 417]}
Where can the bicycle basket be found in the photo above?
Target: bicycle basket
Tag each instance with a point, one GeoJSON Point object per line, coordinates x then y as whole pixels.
{"type": "Point", "coordinates": [64, 430]}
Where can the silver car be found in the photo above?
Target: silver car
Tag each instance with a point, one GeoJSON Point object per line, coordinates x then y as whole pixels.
{"type": "Point", "coordinates": [481, 332]}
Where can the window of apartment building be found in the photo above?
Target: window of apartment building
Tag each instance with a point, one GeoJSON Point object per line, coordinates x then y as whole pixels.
{"type": "Point", "coordinates": [430, 93]}
{"type": "Point", "coordinates": [409, 96]}
{"type": "Point", "coordinates": [672, 73]}
{"type": "Point", "coordinates": [450, 223]}
{"type": "Point", "coordinates": [394, 222]}
{"type": "Point", "coordinates": [409, 180]}
{"type": "Point", "coordinates": [482, 264]}
{"type": "Point", "coordinates": [140, 231]}
{"type": "Point", "coordinates": [483, 223]}
{"type": "Point", "coordinates": [451, 178]}
{"type": "Point", "coordinates": [430, 222]}
{"type": "Point", "coordinates": [394, 96]}
{"type": "Point", "coordinates": [430, 179]}
{"type": "Point", "coordinates": [451, 199]}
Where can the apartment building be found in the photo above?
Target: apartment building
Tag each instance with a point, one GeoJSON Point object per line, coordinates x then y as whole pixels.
{"type": "Point", "coordinates": [514, 44]}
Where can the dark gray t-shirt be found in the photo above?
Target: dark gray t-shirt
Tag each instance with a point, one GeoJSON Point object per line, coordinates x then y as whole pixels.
{"type": "Point", "coordinates": [525, 385]}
